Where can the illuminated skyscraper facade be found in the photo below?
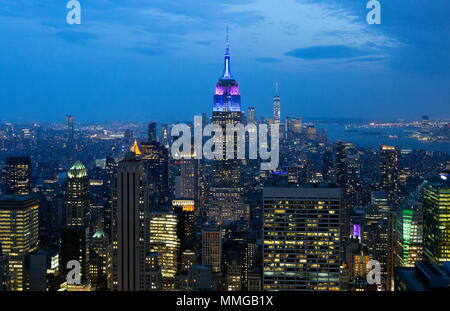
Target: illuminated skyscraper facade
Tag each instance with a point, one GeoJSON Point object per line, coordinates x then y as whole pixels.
{"type": "Point", "coordinates": [165, 242]}
{"type": "Point", "coordinates": [227, 193]}
{"type": "Point", "coordinates": [436, 220]}
{"type": "Point", "coordinates": [18, 233]}
{"type": "Point", "coordinates": [409, 243]}
{"type": "Point", "coordinates": [301, 248]}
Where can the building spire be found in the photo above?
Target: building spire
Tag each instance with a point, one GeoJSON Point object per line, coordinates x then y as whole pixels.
{"type": "Point", "coordinates": [227, 44]}
{"type": "Point", "coordinates": [227, 70]}
{"type": "Point", "coordinates": [276, 88]}
{"type": "Point", "coordinates": [135, 148]}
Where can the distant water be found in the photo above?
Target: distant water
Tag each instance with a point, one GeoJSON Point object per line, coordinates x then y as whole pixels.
{"type": "Point", "coordinates": [372, 138]}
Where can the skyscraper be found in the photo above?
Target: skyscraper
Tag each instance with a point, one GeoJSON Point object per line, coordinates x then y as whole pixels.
{"type": "Point", "coordinates": [18, 175]}
{"type": "Point", "coordinates": [165, 242]}
{"type": "Point", "coordinates": [77, 208]}
{"type": "Point", "coordinates": [75, 236]}
{"type": "Point", "coordinates": [18, 233]}
{"type": "Point", "coordinates": [436, 220]}
{"type": "Point", "coordinates": [227, 193]}
{"type": "Point", "coordinates": [328, 167]}
{"type": "Point", "coordinates": [301, 249]}
{"type": "Point", "coordinates": [409, 242]}
{"type": "Point", "coordinates": [276, 106]}
{"type": "Point", "coordinates": [252, 115]}
{"type": "Point", "coordinates": [185, 211]}
{"type": "Point", "coordinates": [348, 178]}
{"type": "Point", "coordinates": [376, 236]}
{"type": "Point", "coordinates": [155, 157]}
{"type": "Point", "coordinates": [129, 225]}
{"type": "Point", "coordinates": [212, 247]}
{"type": "Point", "coordinates": [152, 132]}
{"type": "Point", "coordinates": [389, 173]}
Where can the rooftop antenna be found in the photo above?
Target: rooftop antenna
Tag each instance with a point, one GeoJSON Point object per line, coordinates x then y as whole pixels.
{"type": "Point", "coordinates": [227, 45]}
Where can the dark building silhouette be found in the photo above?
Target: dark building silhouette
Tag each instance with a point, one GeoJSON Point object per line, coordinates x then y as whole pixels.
{"type": "Point", "coordinates": [18, 175]}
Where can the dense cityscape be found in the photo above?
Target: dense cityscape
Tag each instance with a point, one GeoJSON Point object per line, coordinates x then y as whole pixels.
{"type": "Point", "coordinates": [101, 207]}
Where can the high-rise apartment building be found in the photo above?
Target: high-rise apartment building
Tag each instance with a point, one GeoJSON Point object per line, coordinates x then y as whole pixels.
{"type": "Point", "coordinates": [301, 248]}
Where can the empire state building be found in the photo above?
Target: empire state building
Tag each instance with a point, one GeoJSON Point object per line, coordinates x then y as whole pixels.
{"type": "Point", "coordinates": [227, 192]}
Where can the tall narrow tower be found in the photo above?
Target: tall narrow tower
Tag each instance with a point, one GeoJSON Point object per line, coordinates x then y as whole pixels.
{"type": "Point", "coordinates": [77, 210]}
{"type": "Point", "coordinates": [276, 106]}
{"type": "Point", "coordinates": [227, 192]}
{"type": "Point", "coordinates": [130, 236]}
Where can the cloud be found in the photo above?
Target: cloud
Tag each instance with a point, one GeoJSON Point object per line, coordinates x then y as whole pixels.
{"type": "Point", "coordinates": [76, 36]}
{"type": "Point", "coordinates": [372, 58]}
{"type": "Point", "coordinates": [327, 52]}
{"type": "Point", "coordinates": [268, 60]}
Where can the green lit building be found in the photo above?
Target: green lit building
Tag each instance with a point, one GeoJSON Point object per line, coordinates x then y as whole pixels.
{"type": "Point", "coordinates": [409, 243]}
{"type": "Point", "coordinates": [436, 217]}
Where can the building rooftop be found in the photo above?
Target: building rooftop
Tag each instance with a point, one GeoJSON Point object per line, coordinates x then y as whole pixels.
{"type": "Point", "coordinates": [78, 166]}
{"type": "Point", "coordinates": [308, 185]}
{"type": "Point", "coordinates": [424, 276]}
{"type": "Point", "coordinates": [99, 233]}
{"type": "Point", "coordinates": [16, 198]}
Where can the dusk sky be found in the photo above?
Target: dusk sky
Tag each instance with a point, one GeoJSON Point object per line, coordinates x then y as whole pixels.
{"type": "Point", "coordinates": [144, 60]}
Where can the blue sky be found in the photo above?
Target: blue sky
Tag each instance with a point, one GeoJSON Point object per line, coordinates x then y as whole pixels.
{"type": "Point", "coordinates": [160, 59]}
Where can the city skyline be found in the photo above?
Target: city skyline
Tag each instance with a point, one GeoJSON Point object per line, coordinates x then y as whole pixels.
{"type": "Point", "coordinates": [116, 67]}
{"type": "Point", "coordinates": [350, 201]}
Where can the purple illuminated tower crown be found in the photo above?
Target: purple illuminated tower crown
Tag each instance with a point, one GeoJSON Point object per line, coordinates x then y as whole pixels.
{"type": "Point", "coordinates": [227, 96]}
